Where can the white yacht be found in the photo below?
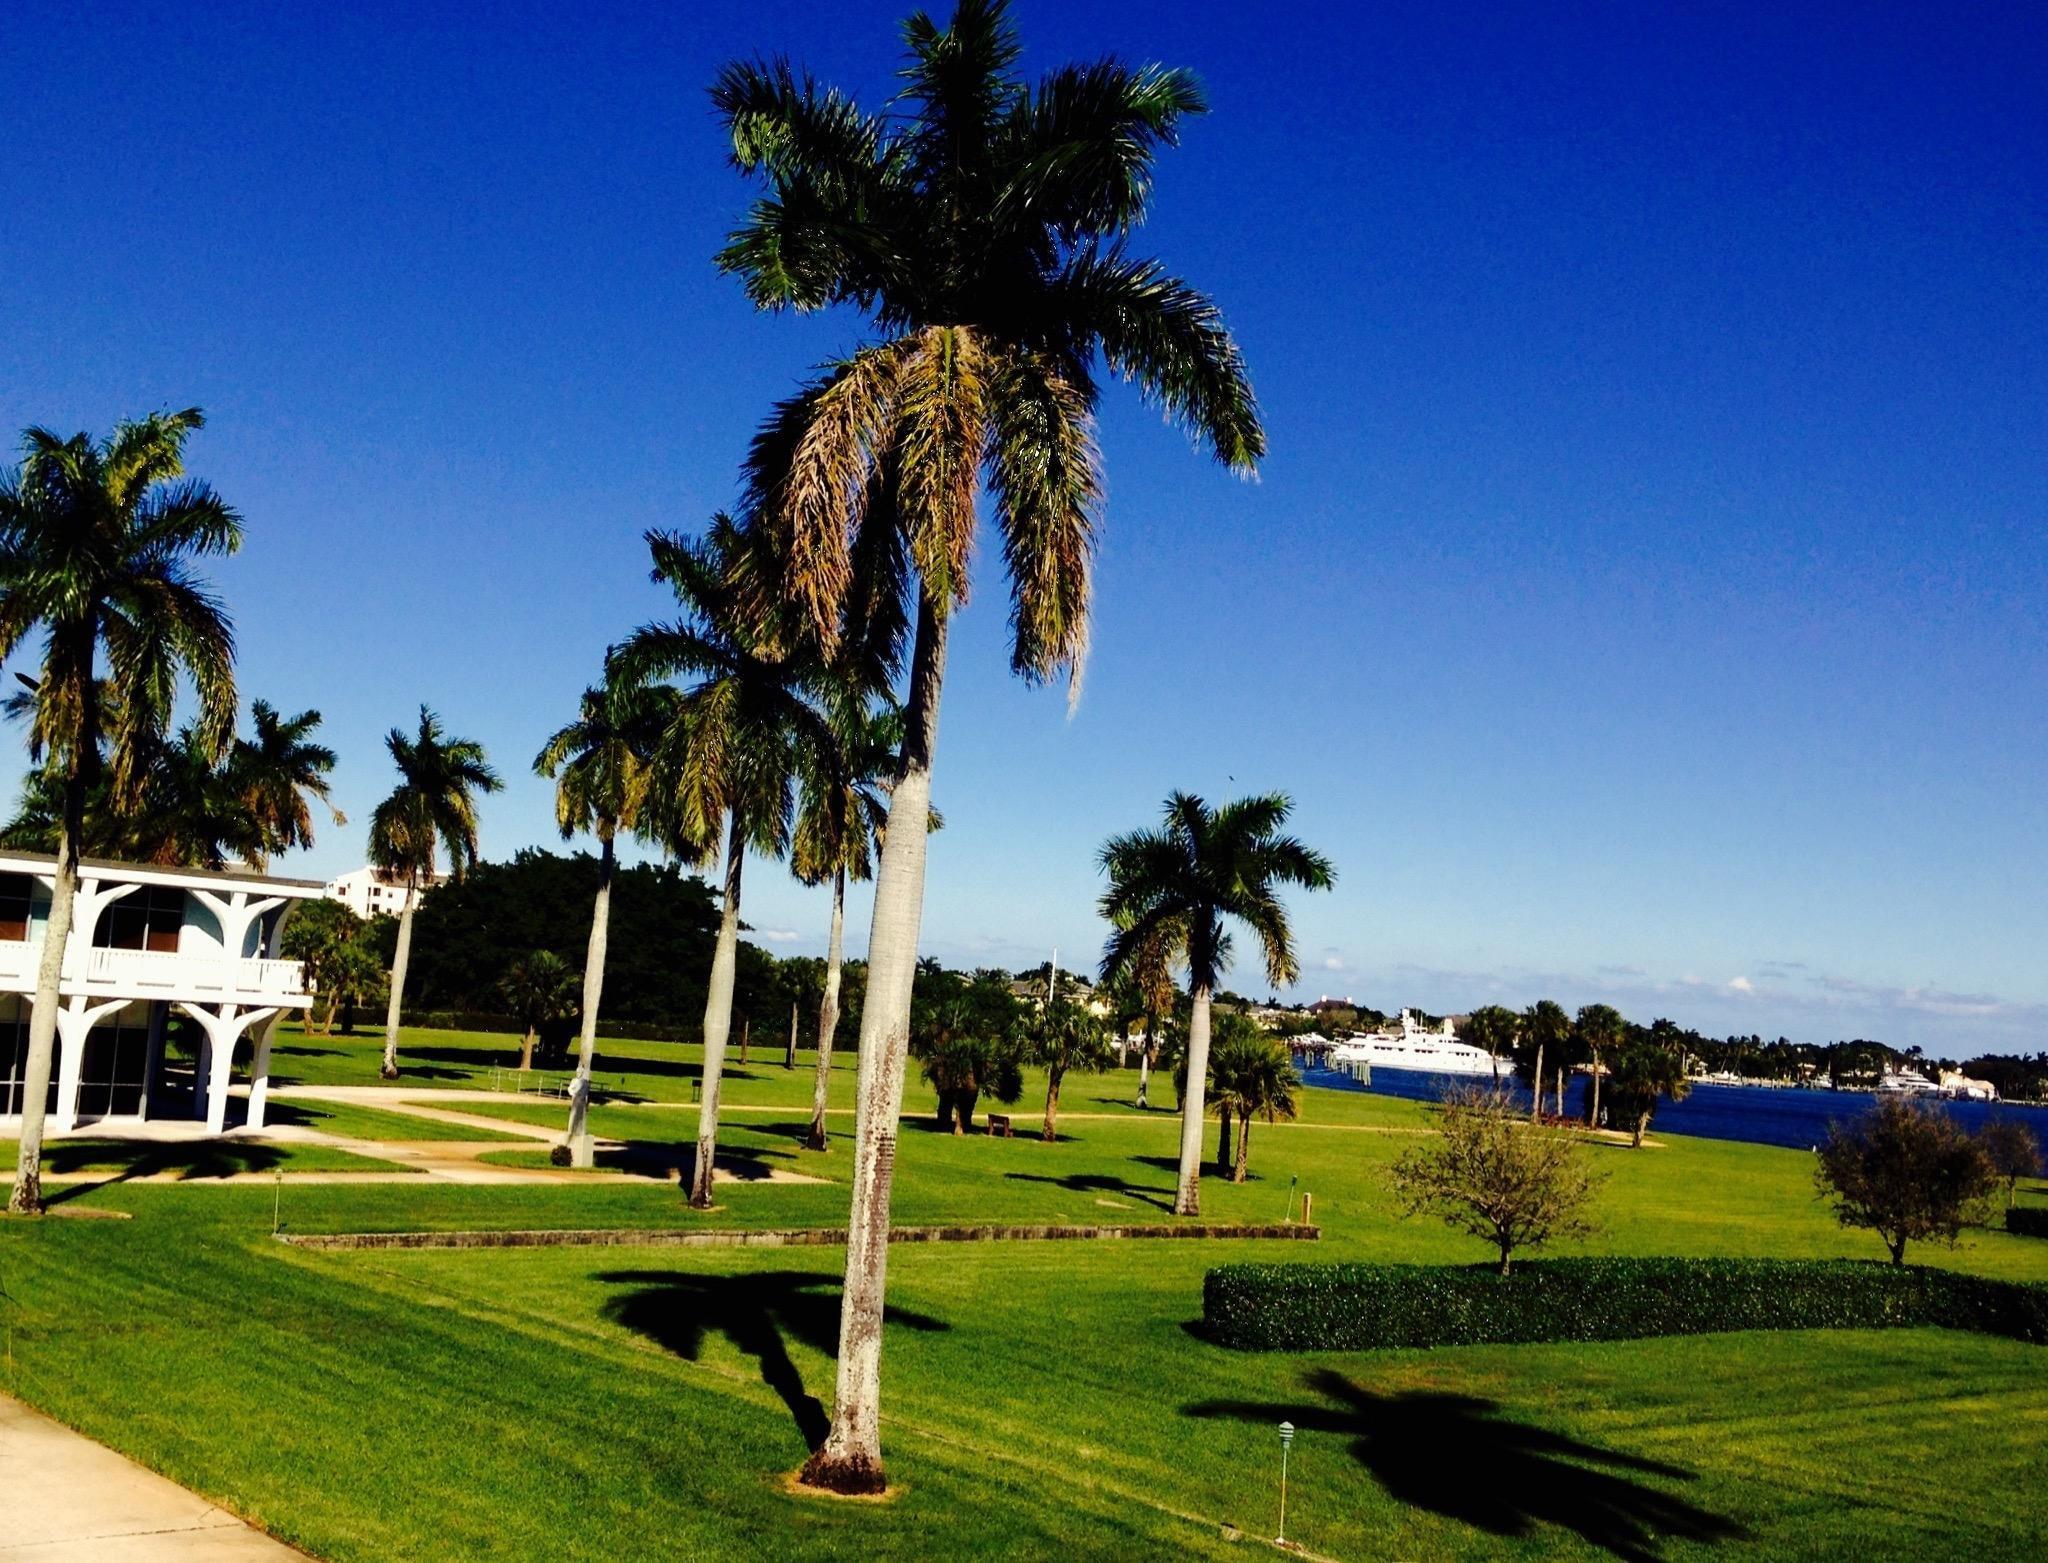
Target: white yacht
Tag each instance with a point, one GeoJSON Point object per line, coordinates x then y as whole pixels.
{"type": "Point", "coordinates": [1906, 1082]}
{"type": "Point", "coordinates": [1431, 1052]}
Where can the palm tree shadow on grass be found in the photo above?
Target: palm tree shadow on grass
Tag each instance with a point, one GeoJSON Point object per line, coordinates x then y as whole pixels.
{"type": "Point", "coordinates": [143, 1159]}
{"type": "Point", "coordinates": [755, 1312]}
{"type": "Point", "coordinates": [1455, 1455]}
{"type": "Point", "coordinates": [1098, 1183]}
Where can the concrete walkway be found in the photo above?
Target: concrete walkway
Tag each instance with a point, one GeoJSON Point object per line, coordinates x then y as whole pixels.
{"type": "Point", "coordinates": [66, 1499]}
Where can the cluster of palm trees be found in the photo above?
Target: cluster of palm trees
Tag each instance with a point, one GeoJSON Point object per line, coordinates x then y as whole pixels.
{"type": "Point", "coordinates": [981, 226]}
{"type": "Point", "coordinates": [1635, 1065]}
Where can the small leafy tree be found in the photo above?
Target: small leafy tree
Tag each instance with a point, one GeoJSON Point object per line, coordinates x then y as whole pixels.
{"type": "Point", "coordinates": [1497, 1176]}
{"type": "Point", "coordinates": [1251, 1076]}
{"type": "Point", "coordinates": [318, 937]}
{"type": "Point", "coordinates": [1067, 1037]}
{"type": "Point", "coordinates": [1642, 1069]}
{"type": "Point", "coordinates": [1906, 1172]}
{"type": "Point", "coordinates": [2013, 1152]}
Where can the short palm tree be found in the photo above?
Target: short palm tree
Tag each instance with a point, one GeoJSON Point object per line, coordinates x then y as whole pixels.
{"type": "Point", "coordinates": [1200, 867]}
{"type": "Point", "coordinates": [1067, 1037]}
{"type": "Point", "coordinates": [600, 765]}
{"type": "Point", "coordinates": [97, 540]}
{"type": "Point", "coordinates": [1495, 1028]}
{"type": "Point", "coordinates": [981, 225]}
{"type": "Point", "coordinates": [727, 762]}
{"type": "Point", "coordinates": [433, 808]}
{"type": "Point", "coordinates": [539, 989]}
{"type": "Point", "coordinates": [1253, 1078]}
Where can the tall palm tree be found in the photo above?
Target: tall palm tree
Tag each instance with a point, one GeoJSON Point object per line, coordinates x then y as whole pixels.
{"type": "Point", "coordinates": [728, 759]}
{"type": "Point", "coordinates": [97, 540]}
{"type": "Point", "coordinates": [1200, 867]}
{"type": "Point", "coordinates": [1597, 1029]}
{"type": "Point", "coordinates": [981, 225]}
{"type": "Point", "coordinates": [432, 808]}
{"type": "Point", "coordinates": [1495, 1028]}
{"type": "Point", "coordinates": [599, 764]}
{"type": "Point", "coordinates": [1546, 1025]}
{"type": "Point", "coordinates": [840, 824]}
{"type": "Point", "coordinates": [278, 773]}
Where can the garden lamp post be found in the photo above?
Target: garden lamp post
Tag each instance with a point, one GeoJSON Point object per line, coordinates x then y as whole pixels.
{"type": "Point", "coordinates": [1286, 1440]}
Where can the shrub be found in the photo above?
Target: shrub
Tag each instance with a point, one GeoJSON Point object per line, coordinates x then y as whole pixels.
{"type": "Point", "coordinates": [2013, 1152]}
{"type": "Point", "coordinates": [1363, 1307]}
{"type": "Point", "coordinates": [560, 1156]}
{"type": "Point", "coordinates": [2027, 1220]}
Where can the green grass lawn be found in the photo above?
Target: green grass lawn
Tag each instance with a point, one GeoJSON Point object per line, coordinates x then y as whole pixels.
{"type": "Point", "coordinates": [371, 1123]}
{"type": "Point", "coordinates": [1040, 1398]}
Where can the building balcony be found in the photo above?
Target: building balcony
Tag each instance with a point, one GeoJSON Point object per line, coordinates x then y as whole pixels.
{"type": "Point", "coordinates": [158, 974]}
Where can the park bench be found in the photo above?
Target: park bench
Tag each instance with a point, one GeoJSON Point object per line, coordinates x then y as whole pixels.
{"type": "Point", "coordinates": [999, 1124]}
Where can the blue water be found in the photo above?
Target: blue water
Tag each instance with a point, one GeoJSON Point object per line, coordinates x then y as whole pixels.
{"type": "Point", "coordinates": [1760, 1115]}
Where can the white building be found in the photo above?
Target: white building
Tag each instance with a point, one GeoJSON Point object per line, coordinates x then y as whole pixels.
{"type": "Point", "coordinates": [370, 893]}
{"type": "Point", "coordinates": [146, 943]}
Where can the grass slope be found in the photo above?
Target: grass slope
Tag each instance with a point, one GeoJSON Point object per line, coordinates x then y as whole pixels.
{"type": "Point", "coordinates": [1040, 1399]}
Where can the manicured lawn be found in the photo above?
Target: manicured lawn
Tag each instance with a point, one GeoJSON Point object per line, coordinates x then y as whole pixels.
{"type": "Point", "coordinates": [371, 1123]}
{"type": "Point", "coordinates": [1041, 1398]}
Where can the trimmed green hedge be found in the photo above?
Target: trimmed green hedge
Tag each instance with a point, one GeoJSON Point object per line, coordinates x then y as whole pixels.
{"type": "Point", "coordinates": [1363, 1307]}
{"type": "Point", "coordinates": [2027, 1220]}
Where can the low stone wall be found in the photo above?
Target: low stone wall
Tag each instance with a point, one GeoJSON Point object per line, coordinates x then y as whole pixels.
{"type": "Point", "coordinates": [786, 1237]}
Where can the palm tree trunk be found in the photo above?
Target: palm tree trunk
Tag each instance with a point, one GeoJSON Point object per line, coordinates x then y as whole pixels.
{"type": "Point", "coordinates": [1223, 1156]}
{"type": "Point", "coordinates": [850, 1460]}
{"type": "Point", "coordinates": [399, 961]}
{"type": "Point", "coordinates": [27, 1196]}
{"type": "Point", "coordinates": [1593, 1110]}
{"type": "Point", "coordinates": [718, 1014]}
{"type": "Point", "coordinates": [1145, 1061]}
{"type": "Point", "coordinates": [828, 1015]}
{"type": "Point", "coordinates": [1187, 1199]}
{"type": "Point", "coordinates": [1052, 1106]}
{"type": "Point", "coordinates": [789, 1053]}
{"type": "Point", "coordinates": [526, 1050]}
{"type": "Point", "coordinates": [1536, 1103]}
{"type": "Point", "coordinates": [1560, 1090]}
{"type": "Point", "coordinates": [1244, 1149]}
{"type": "Point", "coordinates": [1642, 1125]}
{"type": "Point", "coordinates": [581, 1151]}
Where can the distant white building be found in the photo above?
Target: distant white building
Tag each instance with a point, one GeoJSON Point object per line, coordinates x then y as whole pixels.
{"type": "Point", "coordinates": [146, 942]}
{"type": "Point", "coordinates": [370, 893]}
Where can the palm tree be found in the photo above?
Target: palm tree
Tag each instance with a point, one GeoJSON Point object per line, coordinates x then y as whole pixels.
{"type": "Point", "coordinates": [1599, 1028]}
{"type": "Point", "coordinates": [1253, 1077]}
{"type": "Point", "coordinates": [840, 824]}
{"type": "Point", "coordinates": [96, 544]}
{"type": "Point", "coordinates": [729, 756]}
{"type": "Point", "coordinates": [1545, 1024]}
{"type": "Point", "coordinates": [1644, 1066]}
{"type": "Point", "coordinates": [540, 988]}
{"type": "Point", "coordinates": [599, 764]}
{"type": "Point", "coordinates": [274, 773]}
{"type": "Point", "coordinates": [981, 224]}
{"type": "Point", "coordinates": [1145, 990]}
{"type": "Point", "coordinates": [1200, 867]}
{"type": "Point", "coordinates": [1495, 1028]}
{"type": "Point", "coordinates": [1068, 1037]}
{"type": "Point", "coordinates": [432, 808]}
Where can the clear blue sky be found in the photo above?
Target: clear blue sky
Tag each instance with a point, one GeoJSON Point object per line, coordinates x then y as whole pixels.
{"type": "Point", "coordinates": [1644, 599]}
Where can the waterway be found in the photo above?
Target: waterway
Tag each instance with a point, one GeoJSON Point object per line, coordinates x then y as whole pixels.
{"type": "Point", "coordinates": [1760, 1115]}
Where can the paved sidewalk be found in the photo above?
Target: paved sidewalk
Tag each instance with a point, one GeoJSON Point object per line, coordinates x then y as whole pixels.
{"type": "Point", "coordinates": [66, 1499]}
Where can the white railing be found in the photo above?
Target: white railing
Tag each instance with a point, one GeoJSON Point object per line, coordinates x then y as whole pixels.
{"type": "Point", "coordinates": [151, 972]}
{"type": "Point", "coordinates": [18, 960]}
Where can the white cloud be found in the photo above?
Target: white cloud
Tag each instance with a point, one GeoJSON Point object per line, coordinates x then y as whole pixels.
{"type": "Point", "coordinates": [777, 935]}
{"type": "Point", "coordinates": [1740, 985]}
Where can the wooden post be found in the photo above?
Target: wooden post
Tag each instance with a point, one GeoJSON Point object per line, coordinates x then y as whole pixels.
{"type": "Point", "coordinates": [1308, 1210]}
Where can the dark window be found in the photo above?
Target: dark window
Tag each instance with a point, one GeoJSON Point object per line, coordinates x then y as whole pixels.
{"type": "Point", "coordinates": [145, 919]}
{"type": "Point", "coordinates": [14, 1064]}
{"type": "Point", "coordinates": [16, 891]}
{"type": "Point", "coordinates": [111, 1073]}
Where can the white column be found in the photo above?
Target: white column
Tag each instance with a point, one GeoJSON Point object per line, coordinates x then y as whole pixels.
{"type": "Point", "coordinates": [153, 1063]}
{"type": "Point", "coordinates": [222, 1028]}
{"type": "Point", "coordinates": [259, 1071]}
{"type": "Point", "coordinates": [75, 1021]}
{"type": "Point", "coordinates": [234, 914]}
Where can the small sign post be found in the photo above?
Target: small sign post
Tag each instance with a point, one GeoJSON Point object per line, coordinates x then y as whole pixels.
{"type": "Point", "coordinates": [1286, 1440]}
